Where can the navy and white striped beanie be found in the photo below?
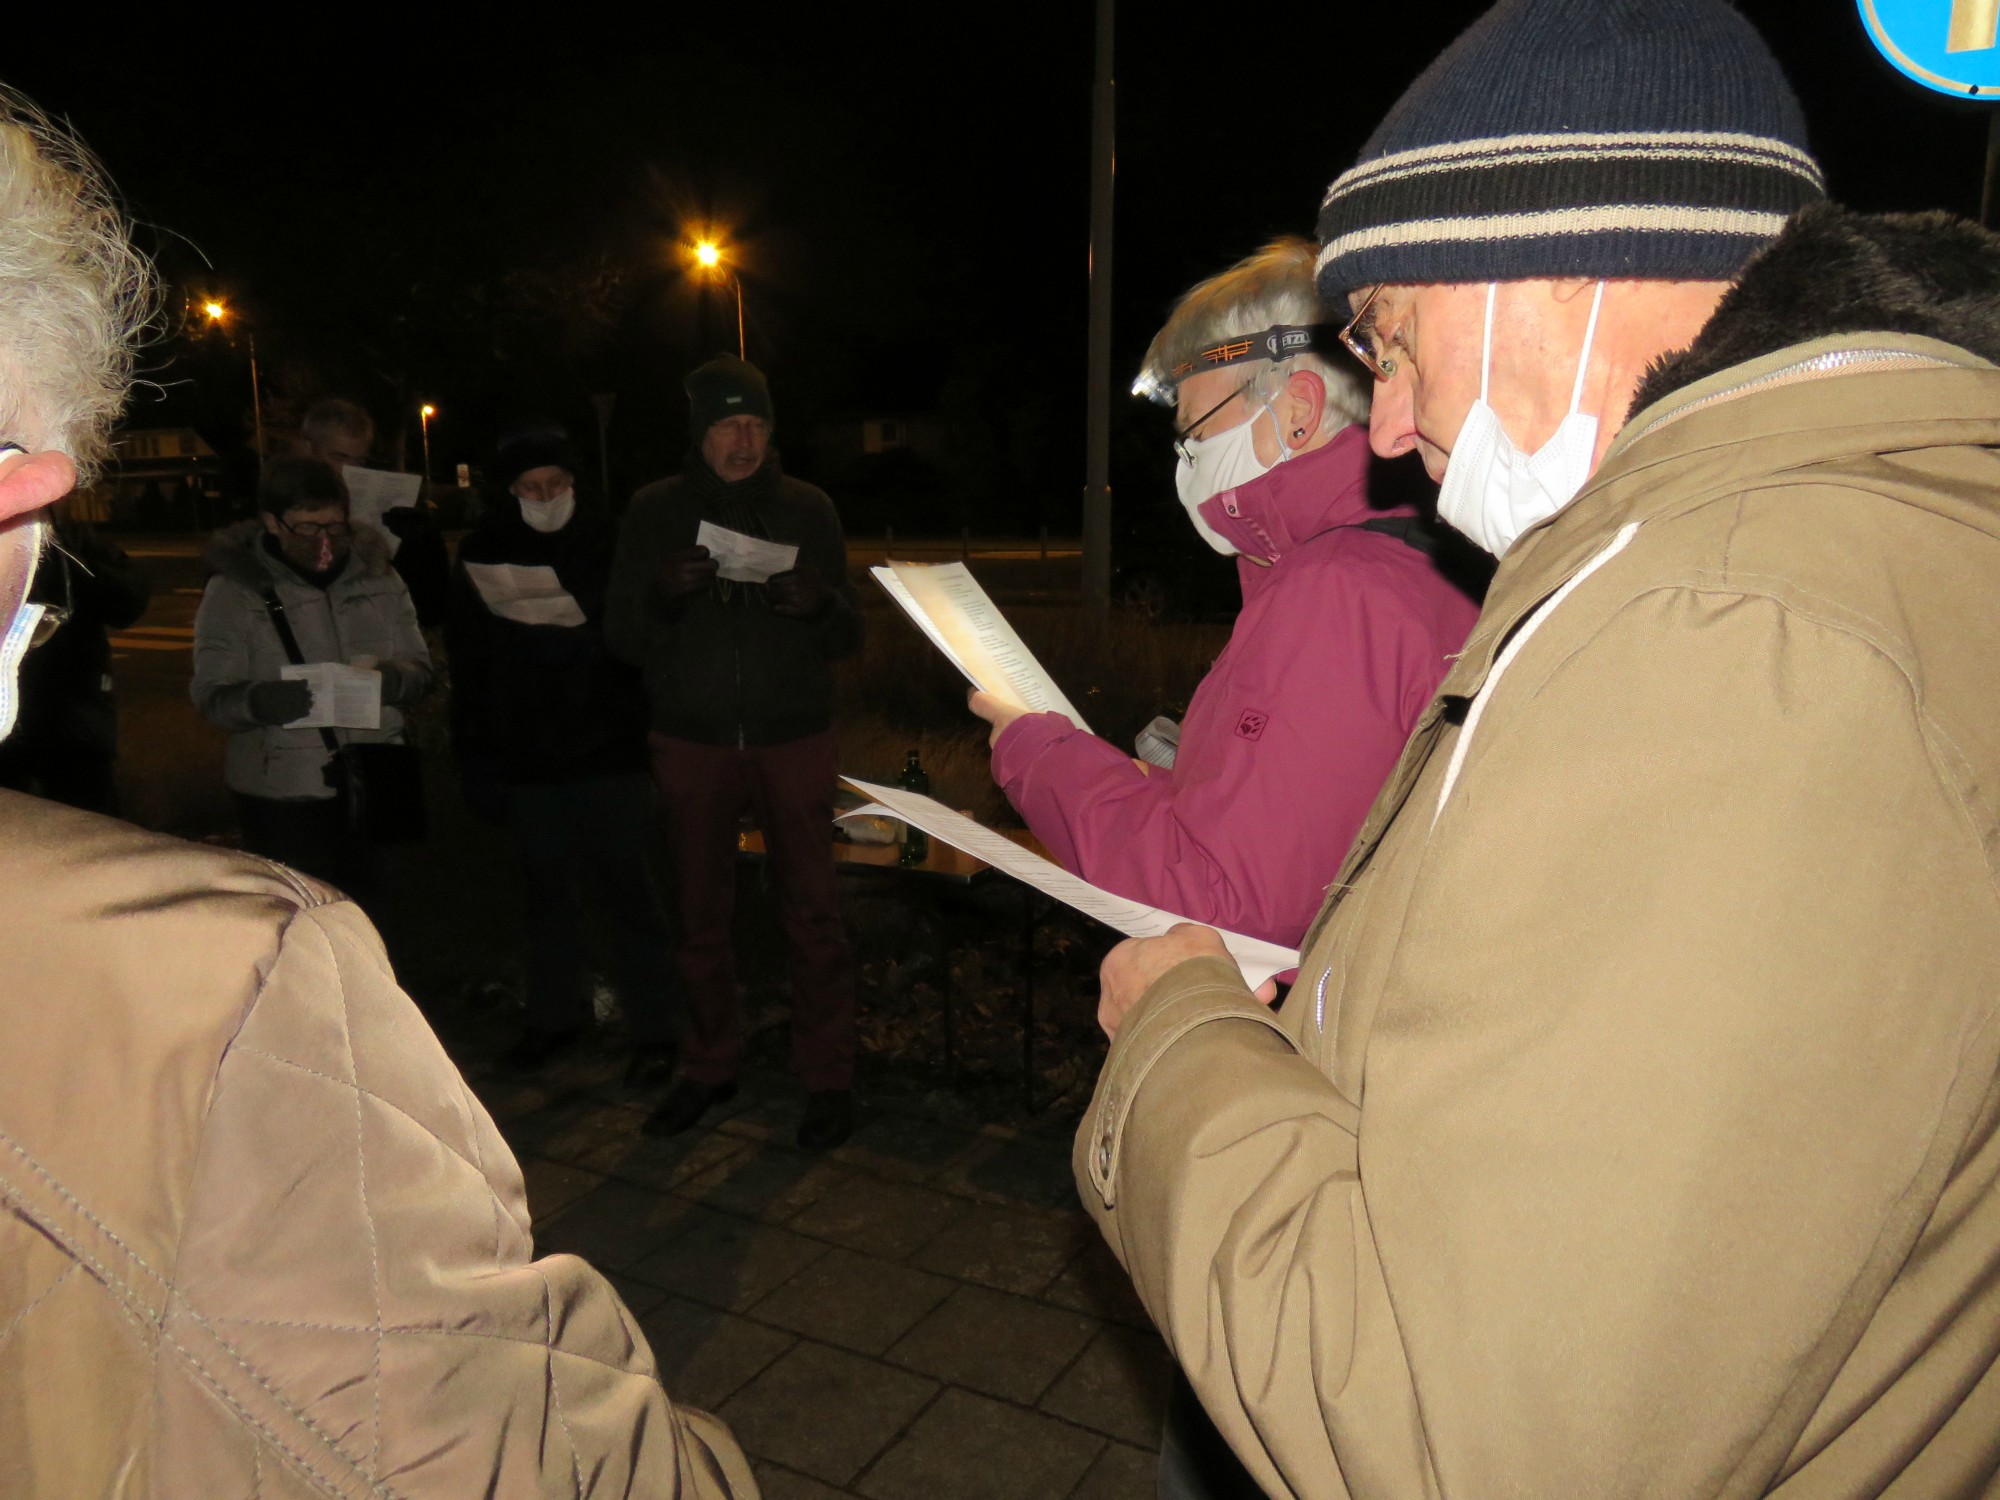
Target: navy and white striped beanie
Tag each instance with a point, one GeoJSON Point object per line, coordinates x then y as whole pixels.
{"type": "Point", "coordinates": [1652, 139]}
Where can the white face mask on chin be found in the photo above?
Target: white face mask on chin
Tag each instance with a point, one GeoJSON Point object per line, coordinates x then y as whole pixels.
{"type": "Point", "coordinates": [1211, 465]}
{"type": "Point", "coordinates": [1493, 491]}
{"type": "Point", "coordinates": [549, 515]}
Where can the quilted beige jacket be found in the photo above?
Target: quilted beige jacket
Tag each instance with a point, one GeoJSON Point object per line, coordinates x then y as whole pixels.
{"type": "Point", "coordinates": [258, 1237]}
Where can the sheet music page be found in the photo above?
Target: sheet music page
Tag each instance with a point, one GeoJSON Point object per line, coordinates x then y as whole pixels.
{"type": "Point", "coordinates": [1257, 959]}
{"type": "Point", "coordinates": [371, 492]}
{"type": "Point", "coordinates": [344, 697]}
{"type": "Point", "coordinates": [952, 609]}
{"type": "Point", "coordinates": [745, 559]}
{"type": "Point", "coordinates": [531, 595]}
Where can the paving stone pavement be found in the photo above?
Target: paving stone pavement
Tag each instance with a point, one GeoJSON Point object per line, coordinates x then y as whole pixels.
{"type": "Point", "coordinates": [925, 1312]}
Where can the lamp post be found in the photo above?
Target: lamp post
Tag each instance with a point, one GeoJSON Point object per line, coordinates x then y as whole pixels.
{"type": "Point", "coordinates": [708, 255]}
{"type": "Point", "coordinates": [217, 313]}
{"type": "Point", "coordinates": [424, 415]}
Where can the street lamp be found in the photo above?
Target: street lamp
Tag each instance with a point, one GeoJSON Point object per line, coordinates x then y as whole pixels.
{"type": "Point", "coordinates": [708, 255]}
{"type": "Point", "coordinates": [217, 313]}
{"type": "Point", "coordinates": [424, 415]}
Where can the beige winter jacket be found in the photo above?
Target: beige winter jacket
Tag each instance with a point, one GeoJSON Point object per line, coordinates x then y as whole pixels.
{"type": "Point", "coordinates": [1631, 1128]}
{"type": "Point", "coordinates": [257, 1238]}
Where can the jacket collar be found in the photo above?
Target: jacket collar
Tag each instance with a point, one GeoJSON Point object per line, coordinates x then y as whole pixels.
{"type": "Point", "coordinates": [1758, 422]}
{"type": "Point", "coordinates": [1303, 497]}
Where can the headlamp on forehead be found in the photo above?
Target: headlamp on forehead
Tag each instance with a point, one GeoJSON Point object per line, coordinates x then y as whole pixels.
{"type": "Point", "coordinates": [1281, 341]}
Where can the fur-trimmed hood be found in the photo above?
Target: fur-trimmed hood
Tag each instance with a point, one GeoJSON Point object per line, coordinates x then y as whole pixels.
{"type": "Point", "coordinates": [237, 552]}
{"type": "Point", "coordinates": [1834, 271]}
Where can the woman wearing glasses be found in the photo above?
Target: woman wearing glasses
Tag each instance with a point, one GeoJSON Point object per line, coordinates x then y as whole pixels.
{"type": "Point", "coordinates": [300, 567]}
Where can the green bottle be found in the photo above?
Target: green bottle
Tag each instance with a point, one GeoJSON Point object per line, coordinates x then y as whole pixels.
{"type": "Point", "coordinates": [916, 843]}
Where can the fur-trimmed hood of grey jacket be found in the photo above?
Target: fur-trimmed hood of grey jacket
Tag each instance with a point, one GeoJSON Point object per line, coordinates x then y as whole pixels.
{"type": "Point", "coordinates": [363, 616]}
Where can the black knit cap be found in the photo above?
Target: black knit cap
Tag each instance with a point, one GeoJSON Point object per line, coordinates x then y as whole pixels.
{"type": "Point", "coordinates": [533, 448]}
{"type": "Point", "coordinates": [1652, 139]}
{"type": "Point", "coordinates": [726, 387]}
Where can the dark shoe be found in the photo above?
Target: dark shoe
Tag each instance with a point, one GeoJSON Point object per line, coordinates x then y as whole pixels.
{"type": "Point", "coordinates": [686, 1102]}
{"type": "Point", "coordinates": [652, 1064]}
{"type": "Point", "coordinates": [535, 1049]}
{"type": "Point", "coordinates": [829, 1119]}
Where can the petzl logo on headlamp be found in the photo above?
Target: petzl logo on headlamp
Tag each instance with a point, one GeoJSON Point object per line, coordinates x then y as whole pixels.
{"type": "Point", "coordinates": [1282, 341]}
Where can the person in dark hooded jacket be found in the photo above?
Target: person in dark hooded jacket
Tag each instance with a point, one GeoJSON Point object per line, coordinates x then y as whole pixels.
{"type": "Point", "coordinates": [550, 734]}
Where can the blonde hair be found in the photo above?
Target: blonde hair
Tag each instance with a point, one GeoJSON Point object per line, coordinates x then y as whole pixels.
{"type": "Point", "coordinates": [74, 293]}
{"type": "Point", "coordinates": [1270, 288]}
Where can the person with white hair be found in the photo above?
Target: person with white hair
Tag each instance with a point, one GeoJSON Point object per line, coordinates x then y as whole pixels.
{"type": "Point", "coordinates": [257, 1235]}
{"type": "Point", "coordinates": [1346, 627]}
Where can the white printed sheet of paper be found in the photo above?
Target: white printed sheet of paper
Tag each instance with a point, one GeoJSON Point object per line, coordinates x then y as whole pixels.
{"type": "Point", "coordinates": [371, 493]}
{"type": "Point", "coordinates": [1257, 959]}
{"type": "Point", "coordinates": [963, 622]}
{"type": "Point", "coordinates": [528, 595]}
{"type": "Point", "coordinates": [344, 697]}
{"type": "Point", "coordinates": [745, 559]}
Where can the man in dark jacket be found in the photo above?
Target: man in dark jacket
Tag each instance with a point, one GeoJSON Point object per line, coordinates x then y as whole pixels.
{"type": "Point", "coordinates": [739, 677]}
{"type": "Point", "coordinates": [66, 740]}
{"type": "Point", "coordinates": [550, 734]}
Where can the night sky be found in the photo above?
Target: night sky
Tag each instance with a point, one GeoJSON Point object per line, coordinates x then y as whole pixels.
{"type": "Point", "coordinates": [484, 215]}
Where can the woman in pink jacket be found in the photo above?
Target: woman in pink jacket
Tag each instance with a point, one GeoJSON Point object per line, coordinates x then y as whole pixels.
{"type": "Point", "coordinates": [1345, 631]}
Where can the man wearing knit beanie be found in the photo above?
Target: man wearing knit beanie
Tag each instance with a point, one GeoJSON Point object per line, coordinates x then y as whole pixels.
{"type": "Point", "coordinates": [1634, 1124]}
{"type": "Point", "coordinates": [739, 678]}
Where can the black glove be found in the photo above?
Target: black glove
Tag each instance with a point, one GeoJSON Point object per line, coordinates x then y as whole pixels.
{"type": "Point", "coordinates": [280, 702]}
{"type": "Point", "coordinates": [688, 571]}
{"type": "Point", "coordinates": [400, 685]}
{"type": "Point", "coordinates": [799, 594]}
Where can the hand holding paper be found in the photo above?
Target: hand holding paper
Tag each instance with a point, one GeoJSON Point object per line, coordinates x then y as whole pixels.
{"type": "Point", "coordinates": [950, 607]}
{"type": "Point", "coordinates": [744, 559]}
{"type": "Point", "coordinates": [343, 697]}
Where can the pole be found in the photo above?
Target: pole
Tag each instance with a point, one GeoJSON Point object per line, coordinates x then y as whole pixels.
{"type": "Point", "coordinates": [742, 350]}
{"type": "Point", "coordinates": [604, 401]}
{"type": "Point", "coordinates": [1989, 197]}
{"type": "Point", "coordinates": [1097, 439]}
{"type": "Point", "coordinates": [424, 420]}
{"type": "Point", "coordinates": [257, 403]}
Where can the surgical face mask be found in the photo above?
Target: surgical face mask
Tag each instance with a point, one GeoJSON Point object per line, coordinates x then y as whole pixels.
{"type": "Point", "coordinates": [549, 515]}
{"type": "Point", "coordinates": [1226, 461]}
{"type": "Point", "coordinates": [1493, 491]}
{"type": "Point", "coordinates": [20, 633]}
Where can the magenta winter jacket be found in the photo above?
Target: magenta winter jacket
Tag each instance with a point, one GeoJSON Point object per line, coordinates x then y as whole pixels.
{"type": "Point", "coordinates": [1339, 646]}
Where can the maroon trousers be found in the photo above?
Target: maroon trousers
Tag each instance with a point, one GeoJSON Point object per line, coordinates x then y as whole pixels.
{"type": "Point", "coordinates": [703, 790]}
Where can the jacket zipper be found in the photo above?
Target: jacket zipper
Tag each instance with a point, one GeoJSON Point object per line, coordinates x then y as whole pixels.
{"type": "Point", "coordinates": [1833, 362]}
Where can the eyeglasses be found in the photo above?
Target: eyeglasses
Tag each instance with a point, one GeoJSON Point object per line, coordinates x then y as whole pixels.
{"type": "Point", "coordinates": [1186, 434]}
{"type": "Point", "coordinates": [1360, 341]}
{"type": "Point", "coordinates": [334, 529]}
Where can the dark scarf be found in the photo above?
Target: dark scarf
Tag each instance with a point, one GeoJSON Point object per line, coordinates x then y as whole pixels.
{"type": "Point", "coordinates": [733, 505]}
{"type": "Point", "coordinates": [319, 580]}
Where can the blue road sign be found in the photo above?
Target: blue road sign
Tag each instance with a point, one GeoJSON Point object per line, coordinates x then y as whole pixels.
{"type": "Point", "coordinates": [1952, 46]}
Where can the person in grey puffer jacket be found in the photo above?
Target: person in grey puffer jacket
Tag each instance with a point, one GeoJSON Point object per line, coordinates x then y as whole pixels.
{"type": "Point", "coordinates": [346, 604]}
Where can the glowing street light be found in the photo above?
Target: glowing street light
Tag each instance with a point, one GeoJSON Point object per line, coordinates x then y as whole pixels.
{"type": "Point", "coordinates": [217, 313]}
{"type": "Point", "coordinates": [424, 415]}
{"type": "Point", "coordinates": [708, 255]}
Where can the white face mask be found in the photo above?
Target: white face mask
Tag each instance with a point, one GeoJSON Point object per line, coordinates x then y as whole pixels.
{"type": "Point", "coordinates": [1492, 491]}
{"type": "Point", "coordinates": [20, 631]}
{"type": "Point", "coordinates": [549, 515]}
{"type": "Point", "coordinates": [1211, 465]}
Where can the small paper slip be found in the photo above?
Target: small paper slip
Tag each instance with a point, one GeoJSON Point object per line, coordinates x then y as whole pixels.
{"type": "Point", "coordinates": [371, 492]}
{"type": "Point", "coordinates": [952, 609]}
{"type": "Point", "coordinates": [744, 559]}
{"type": "Point", "coordinates": [529, 595]}
{"type": "Point", "coordinates": [344, 697]}
{"type": "Point", "coordinates": [1257, 959]}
